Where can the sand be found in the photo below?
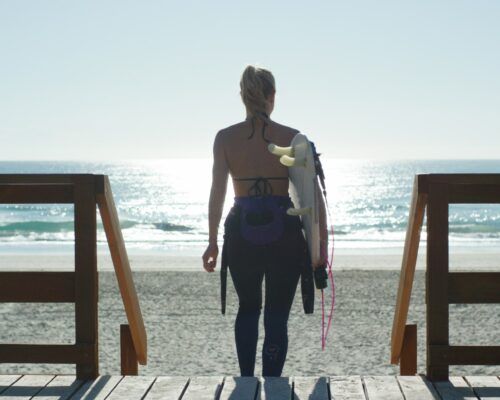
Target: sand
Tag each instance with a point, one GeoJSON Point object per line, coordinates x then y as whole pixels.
{"type": "Point", "coordinates": [189, 336]}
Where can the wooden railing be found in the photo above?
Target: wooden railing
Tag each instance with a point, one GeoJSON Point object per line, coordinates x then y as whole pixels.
{"type": "Point", "coordinates": [436, 192]}
{"type": "Point", "coordinates": [81, 286]}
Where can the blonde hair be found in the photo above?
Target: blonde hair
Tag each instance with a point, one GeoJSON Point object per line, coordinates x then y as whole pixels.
{"type": "Point", "coordinates": [256, 85]}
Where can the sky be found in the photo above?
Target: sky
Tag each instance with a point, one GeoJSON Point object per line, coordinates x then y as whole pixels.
{"type": "Point", "coordinates": [114, 80]}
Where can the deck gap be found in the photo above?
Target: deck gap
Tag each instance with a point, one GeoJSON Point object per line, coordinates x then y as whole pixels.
{"type": "Point", "coordinates": [42, 387]}
{"type": "Point", "coordinates": [365, 391]}
{"type": "Point", "coordinates": [400, 388]}
{"type": "Point", "coordinates": [219, 388]}
{"type": "Point", "coordinates": [114, 387]}
{"type": "Point", "coordinates": [149, 388]}
{"type": "Point", "coordinates": [257, 390]}
{"type": "Point", "coordinates": [7, 387]}
{"type": "Point", "coordinates": [185, 388]}
{"type": "Point", "coordinates": [328, 388]}
{"type": "Point", "coordinates": [471, 387]}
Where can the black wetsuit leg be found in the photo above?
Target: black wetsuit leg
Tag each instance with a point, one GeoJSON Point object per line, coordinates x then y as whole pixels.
{"type": "Point", "coordinates": [247, 274]}
{"type": "Point", "coordinates": [280, 264]}
{"type": "Point", "coordinates": [282, 275]}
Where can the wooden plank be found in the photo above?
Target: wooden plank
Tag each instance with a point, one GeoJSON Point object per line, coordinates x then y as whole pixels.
{"type": "Point", "coordinates": [97, 389]}
{"type": "Point", "coordinates": [474, 287]}
{"type": "Point", "coordinates": [36, 194]}
{"type": "Point", "coordinates": [45, 353]}
{"type": "Point", "coordinates": [475, 194]}
{"type": "Point", "coordinates": [241, 388]}
{"type": "Point", "coordinates": [203, 388]}
{"type": "Point", "coordinates": [60, 388]}
{"type": "Point", "coordinates": [275, 388]}
{"type": "Point", "coordinates": [86, 289]}
{"type": "Point", "coordinates": [347, 388]}
{"type": "Point", "coordinates": [131, 388]}
{"type": "Point", "coordinates": [417, 388]}
{"type": "Point", "coordinates": [382, 388]}
{"type": "Point", "coordinates": [456, 388]}
{"type": "Point", "coordinates": [46, 178]}
{"type": "Point", "coordinates": [26, 387]}
{"type": "Point", "coordinates": [465, 355]}
{"type": "Point", "coordinates": [310, 388]}
{"type": "Point", "coordinates": [123, 272]}
{"type": "Point", "coordinates": [168, 387]}
{"type": "Point", "coordinates": [37, 287]}
{"type": "Point", "coordinates": [485, 387]}
{"type": "Point", "coordinates": [437, 278]}
{"type": "Point", "coordinates": [410, 253]}
{"type": "Point", "coordinates": [7, 380]}
{"type": "Point", "coordinates": [456, 179]}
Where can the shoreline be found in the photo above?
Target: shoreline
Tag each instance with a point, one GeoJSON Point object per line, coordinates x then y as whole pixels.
{"type": "Point", "coordinates": [486, 261]}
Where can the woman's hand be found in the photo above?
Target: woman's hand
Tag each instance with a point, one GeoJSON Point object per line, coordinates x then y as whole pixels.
{"type": "Point", "coordinates": [210, 257]}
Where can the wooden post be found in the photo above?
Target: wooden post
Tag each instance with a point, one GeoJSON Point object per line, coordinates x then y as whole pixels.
{"type": "Point", "coordinates": [415, 221]}
{"type": "Point", "coordinates": [123, 271]}
{"type": "Point", "coordinates": [86, 275]}
{"type": "Point", "coordinates": [408, 362]}
{"type": "Point", "coordinates": [437, 279]}
{"type": "Point", "coordinates": [129, 365]}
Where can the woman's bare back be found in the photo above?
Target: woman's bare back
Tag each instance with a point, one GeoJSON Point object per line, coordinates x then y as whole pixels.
{"type": "Point", "coordinates": [247, 155]}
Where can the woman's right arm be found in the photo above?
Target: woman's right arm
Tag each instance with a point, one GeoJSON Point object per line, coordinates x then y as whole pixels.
{"type": "Point", "coordinates": [220, 173]}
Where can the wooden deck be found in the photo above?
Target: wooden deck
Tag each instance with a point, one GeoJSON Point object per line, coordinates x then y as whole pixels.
{"type": "Point", "coordinates": [63, 387]}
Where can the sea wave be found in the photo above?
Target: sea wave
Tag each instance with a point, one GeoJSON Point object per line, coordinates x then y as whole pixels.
{"type": "Point", "coordinates": [16, 228]}
{"type": "Point", "coordinates": [169, 227]}
{"type": "Point", "coordinates": [480, 229]}
{"type": "Point", "coordinates": [29, 228]}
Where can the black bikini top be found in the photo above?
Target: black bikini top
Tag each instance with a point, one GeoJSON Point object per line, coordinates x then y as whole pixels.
{"type": "Point", "coordinates": [261, 186]}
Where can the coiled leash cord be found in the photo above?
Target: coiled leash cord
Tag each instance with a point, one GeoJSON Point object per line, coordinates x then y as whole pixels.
{"type": "Point", "coordinates": [329, 262]}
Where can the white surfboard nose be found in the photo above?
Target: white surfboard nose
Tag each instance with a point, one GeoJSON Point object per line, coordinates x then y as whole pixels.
{"type": "Point", "coordinates": [280, 151]}
{"type": "Point", "coordinates": [299, 211]}
{"type": "Point", "coordinates": [292, 161]}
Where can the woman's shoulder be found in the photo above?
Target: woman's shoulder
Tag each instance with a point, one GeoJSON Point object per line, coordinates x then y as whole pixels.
{"type": "Point", "coordinates": [284, 134]}
{"type": "Point", "coordinates": [285, 129]}
{"type": "Point", "coordinates": [229, 130]}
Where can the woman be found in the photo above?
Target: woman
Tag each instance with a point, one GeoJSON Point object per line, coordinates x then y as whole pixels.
{"type": "Point", "coordinates": [261, 240]}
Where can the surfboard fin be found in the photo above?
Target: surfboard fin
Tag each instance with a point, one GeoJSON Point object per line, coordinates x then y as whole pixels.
{"type": "Point", "coordinates": [280, 151]}
{"type": "Point", "coordinates": [292, 161]}
{"type": "Point", "coordinates": [299, 211]}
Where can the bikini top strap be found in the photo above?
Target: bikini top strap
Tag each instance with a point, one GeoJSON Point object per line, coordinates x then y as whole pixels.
{"type": "Point", "coordinates": [260, 177]}
{"type": "Point", "coordinates": [261, 186]}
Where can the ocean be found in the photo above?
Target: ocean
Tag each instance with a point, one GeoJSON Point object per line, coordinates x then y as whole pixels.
{"type": "Point", "coordinates": [162, 205]}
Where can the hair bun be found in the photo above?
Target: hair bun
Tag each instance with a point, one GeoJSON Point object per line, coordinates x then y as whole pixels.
{"type": "Point", "coordinates": [256, 85]}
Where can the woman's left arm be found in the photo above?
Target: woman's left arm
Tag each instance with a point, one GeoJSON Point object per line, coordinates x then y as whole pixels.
{"type": "Point", "coordinates": [220, 173]}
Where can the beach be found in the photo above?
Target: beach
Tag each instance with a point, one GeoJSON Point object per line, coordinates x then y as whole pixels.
{"type": "Point", "coordinates": [163, 217]}
{"type": "Point", "coordinates": [188, 335]}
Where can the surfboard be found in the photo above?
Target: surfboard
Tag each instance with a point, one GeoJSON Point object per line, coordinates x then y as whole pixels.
{"type": "Point", "coordinates": [304, 190]}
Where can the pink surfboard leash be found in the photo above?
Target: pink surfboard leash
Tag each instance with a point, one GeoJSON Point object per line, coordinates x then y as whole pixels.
{"type": "Point", "coordinates": [329, 262]}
